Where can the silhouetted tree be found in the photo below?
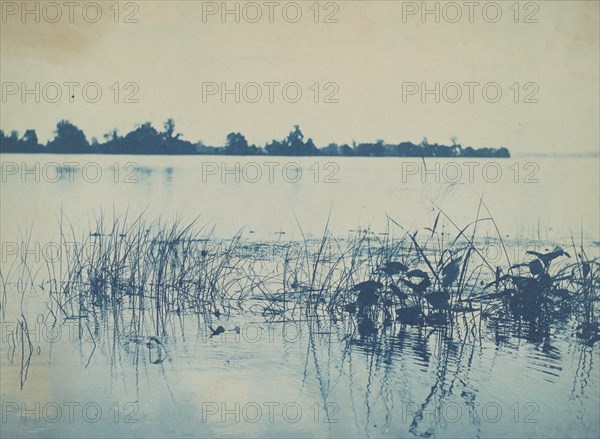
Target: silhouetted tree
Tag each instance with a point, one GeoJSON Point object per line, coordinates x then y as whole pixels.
{"type": "Point", "coordinates": [30, 139]}
{"type": "Point", "coordinates": [172, 144]}
{"type": "Point", "coordinates": [170, 129]}
{"type": "Point", "coordinates": [297, 146]}
{"type": "Point", "coordinates": [276, 148]}
{"type": "Point", "coordinates": [346, 150]}
{"type": "Point", "coordinates": [236, 144]}
{"type": "Point", "coordinates": [145, 139]}
{"type": "Point", "coordinates": [371, 149]}
{"type": "Point", "coordinates": [293, 145]}
{"type": "Point", "coordinates": [9, 143]}
{"type": "Point", "coordinates": [331, 150]}
{"type": "Point", "coordinates": [69, 139]}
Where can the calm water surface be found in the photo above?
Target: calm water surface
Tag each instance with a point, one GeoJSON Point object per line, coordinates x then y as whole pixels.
{"type": "Point", "coordinates": [99, 377]}
{"type": "Point", "coordinates": [531, 198]}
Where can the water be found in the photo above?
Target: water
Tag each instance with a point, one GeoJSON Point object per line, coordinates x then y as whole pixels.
{"type": "Point", "coordinates": [530, 198]}
{"type": "Point", "coordinates": [503, 382]}
{"type": "Point", "coordinates": [99, 376]}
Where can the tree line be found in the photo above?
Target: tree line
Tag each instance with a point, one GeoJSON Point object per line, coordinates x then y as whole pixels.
{"type": "Point", "coordinates": [145, 139]}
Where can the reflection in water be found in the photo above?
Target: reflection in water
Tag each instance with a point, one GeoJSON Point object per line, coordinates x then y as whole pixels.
{"type": "Point", "coordinates": [137, 336]}
{"type": "Point", "coordinates": [382, 380]}
{"type": "Point", "coordinates": [168, 175]}
{"type": "Point", "coordinates": [176, 332]}
{"type": "Point", "coordinates": [272, 204]}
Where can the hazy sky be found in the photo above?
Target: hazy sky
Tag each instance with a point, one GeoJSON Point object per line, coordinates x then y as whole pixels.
{"type": "Point", "coordinates": [370, 55]}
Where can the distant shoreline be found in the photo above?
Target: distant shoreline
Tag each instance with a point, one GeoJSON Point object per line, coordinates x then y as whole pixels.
{"type": "Point", "coordinates": [255, 155]}
{"type": "Point", "coordinates": [146, 140]}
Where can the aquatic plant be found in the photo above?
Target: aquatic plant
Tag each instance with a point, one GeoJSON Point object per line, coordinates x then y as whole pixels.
{"type": "Point", "coordinates": [153, 270]}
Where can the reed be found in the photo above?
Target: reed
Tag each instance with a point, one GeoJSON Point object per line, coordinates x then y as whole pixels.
{"type": "Point", "coordinates": [152, 270]}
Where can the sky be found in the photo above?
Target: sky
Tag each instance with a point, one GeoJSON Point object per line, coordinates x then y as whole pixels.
{"type": "Point", "coordinates": [361, 70]}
